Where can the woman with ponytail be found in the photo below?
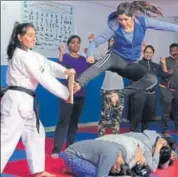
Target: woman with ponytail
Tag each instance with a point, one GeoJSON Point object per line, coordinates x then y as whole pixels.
{"type": "Point", "coordinates": [19, 115]}
{"type": "Point", "coordinates": [128, 27]}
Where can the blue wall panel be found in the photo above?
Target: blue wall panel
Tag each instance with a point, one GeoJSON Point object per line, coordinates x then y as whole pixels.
{"type": "Point", "coordinates": [49, 104]}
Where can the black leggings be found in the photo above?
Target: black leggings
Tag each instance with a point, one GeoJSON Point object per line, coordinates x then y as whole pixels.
{"type": "Point", "coordinates": [68, 123]}
{"type": "Point", "coordinates": [169, 102]}
{"type": "Point", "coordinates": [141, 110]}
{"type": "Point", "coordinates": [143, 80]}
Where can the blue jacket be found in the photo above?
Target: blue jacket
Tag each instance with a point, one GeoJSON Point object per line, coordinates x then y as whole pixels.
{"type": "Point", "coordinates": [129, 50]}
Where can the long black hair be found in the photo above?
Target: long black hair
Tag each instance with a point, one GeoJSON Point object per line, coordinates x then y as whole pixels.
{"type": "Point", "coordinates": [144, 7]}
{"type": "Point", "coordinates": [171, 141]}
{"type": "Point", "coordinates": [172, 144]}
{"type": "Point", "coordinates": [19, 29]}
{"type": "Point", "coordinates": [165, 154]}
{"type": "Point", "coordinates": [124, 170]}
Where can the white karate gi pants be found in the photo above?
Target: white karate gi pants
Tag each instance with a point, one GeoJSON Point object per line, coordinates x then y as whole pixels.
{"type": "Point", "coordinates": [18, 119]}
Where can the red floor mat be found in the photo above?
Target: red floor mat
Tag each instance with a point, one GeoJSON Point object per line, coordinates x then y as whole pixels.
{"type": "Point", "coordinates": [49, 145]}
{"type": "Point", "coordinates": [20, 168]}
{"type": "Point", "coordinates": [172, 171]}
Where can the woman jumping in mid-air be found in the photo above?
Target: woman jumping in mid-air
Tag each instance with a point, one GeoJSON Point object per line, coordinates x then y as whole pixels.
{"type": "Point", "coordinates": [128, 29]}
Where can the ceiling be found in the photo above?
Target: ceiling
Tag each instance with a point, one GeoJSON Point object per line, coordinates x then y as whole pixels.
{"type": "Point", "coordinates": [114, 4]}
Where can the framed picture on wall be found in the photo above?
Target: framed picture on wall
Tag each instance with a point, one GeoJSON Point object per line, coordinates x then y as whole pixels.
{"type": "Point", "coordinates": [54, 23]}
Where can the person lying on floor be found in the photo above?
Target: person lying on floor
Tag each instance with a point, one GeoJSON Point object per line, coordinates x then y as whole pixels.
{"type": "Point", "coordinates": [95, 158]}
{"type": "Point", "coordinates": [131, 144]}
{"type": "Point", "coordinates": [150, 138]}
{"type": "Point", "coordinates": [156, 150]}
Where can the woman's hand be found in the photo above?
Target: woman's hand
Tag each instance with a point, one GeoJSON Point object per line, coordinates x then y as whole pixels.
{"type": "Point", "coordinates": [90, 60]}
{"type": "Point", "coordinates": [61, 52]}
{"type": "Point", "coordinates": [139, 157]}
{"type": "Point", "coordinates": [91, 37]}
{"type": "Point", "coordinates": [61, 48]}
{"type": "Point", "coordinates": [163, 60]}
{"type": "Point", "coordinates": [160, 143]}
{"type": "Point", "coordinates": [70, 72]}
{"type": "Point", "coordinates": [173, 155]}
{"type": "Point", "coordinates": [114, 98]}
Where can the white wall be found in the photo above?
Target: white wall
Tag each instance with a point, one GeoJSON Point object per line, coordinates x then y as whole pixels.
{"type": "Point", "coordinates": [162, 40]}
{"type": "Point", "coordinates": [89, 17]}
{"type": "Point", "coordinates": [10, 12]}
{"type": "Point", "coordinates": [86, 21]}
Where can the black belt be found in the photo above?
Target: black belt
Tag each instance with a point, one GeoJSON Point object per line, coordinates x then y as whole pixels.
{"type": "Point", "coordinates": [36, 105]}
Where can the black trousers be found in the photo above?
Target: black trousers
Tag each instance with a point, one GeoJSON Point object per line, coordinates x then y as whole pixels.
{"type": "Point", "coordinates": [68, 123]}
{"type": "Point", "coordinates": [141, 110]}
{"type": "Point", "coordinates": [143, 80]}
{"type": "Point", "coordinates": [169, 102]}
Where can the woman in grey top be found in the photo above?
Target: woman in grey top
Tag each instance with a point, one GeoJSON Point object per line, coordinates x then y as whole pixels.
{"type": "Point", "coordinates": [90, 158]}
{"type": "Point", "coordinates": [151, 144]}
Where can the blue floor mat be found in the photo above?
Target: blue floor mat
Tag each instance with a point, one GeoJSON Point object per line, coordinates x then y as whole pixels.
{"type": "Point", "coordinates": [156, 125]}
{"type": "Point", "coordinates": [85, 136]}
{"type": "Point", "coordinates": [79, 136]}
{"type": "Point", "coordinates": [6, 175]}
{"type": "Point", "coordinates": [175, 136]}
{"type": "Point", "coordinates": [18, 155]}
{"type": "Point", "coordinates": [50, 134]}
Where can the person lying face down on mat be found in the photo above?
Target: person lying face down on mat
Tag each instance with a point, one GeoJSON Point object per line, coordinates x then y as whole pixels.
{"type": "Point", "coordinates": [94, 158]}
{"type": "Point", "coordinates": [151, 139]}
{"type": "Point", "coordinates": [156, 149]}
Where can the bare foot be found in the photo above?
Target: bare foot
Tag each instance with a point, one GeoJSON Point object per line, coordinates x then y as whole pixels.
{"type": "Point", "coordinates": [68, 100]}
{"type": "Point", "coordinates": [76, 87]}
{"type": "Point", "coordinates": [54, 156]}
{"type": "Point", "coordinates": [44, 174]}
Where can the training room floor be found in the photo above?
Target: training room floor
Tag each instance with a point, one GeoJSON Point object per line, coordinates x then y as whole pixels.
{"type": "Point", "coordinates": [18, 167]}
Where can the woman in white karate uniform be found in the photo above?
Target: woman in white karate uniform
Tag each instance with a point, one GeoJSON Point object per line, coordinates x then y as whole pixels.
{"type": "Point", "coordinates": [18, 119]}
